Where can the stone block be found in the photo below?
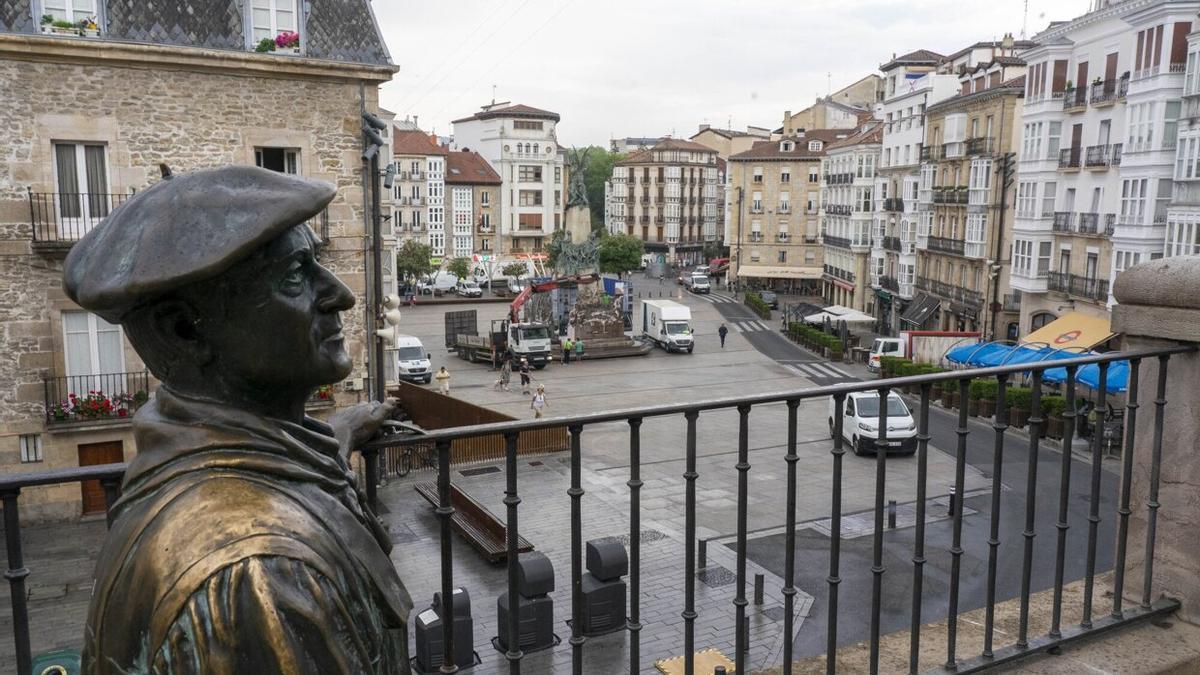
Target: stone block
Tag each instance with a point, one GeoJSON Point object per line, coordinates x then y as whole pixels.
{"type": "Point", "coordinates": [31, 393]}
{"type": "Point", "coordinates": [20, 329]}
{"type": "Point", "coordinates": [35, 360]}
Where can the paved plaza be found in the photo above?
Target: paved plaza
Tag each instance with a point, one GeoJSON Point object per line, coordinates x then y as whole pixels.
{"type": "Point", "coordinates": [753, 362]}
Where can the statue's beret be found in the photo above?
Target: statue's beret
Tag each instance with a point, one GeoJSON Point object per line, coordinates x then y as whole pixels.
{"type": "Point", "coordinates": [187, 228]}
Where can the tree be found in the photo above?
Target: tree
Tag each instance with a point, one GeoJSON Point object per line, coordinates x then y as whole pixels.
{"type": "Point", "coordinates": [515, 270]}
{"type": "Point", "coordinates": [555, 247]}
{"type": "Point", "coordinates": [599, 170]}
{"type": "Point", "coordinates": [412, 260]}
{"type": "Point", "coordinates": [459, 267]}
{"type": "Point", "coordinates": [620, 253]}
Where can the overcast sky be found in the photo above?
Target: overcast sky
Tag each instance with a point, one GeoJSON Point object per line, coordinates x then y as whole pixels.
{"type": "Point", "coordinates": [615, 68]}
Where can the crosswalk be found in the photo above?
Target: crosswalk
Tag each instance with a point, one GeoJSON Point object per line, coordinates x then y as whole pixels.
{"type": "Point", "coordinates": [818, 370]}
{"type": "Point", "coordinates": [715, 298]}
{"type": "Point", "coordinates": [747, 325]}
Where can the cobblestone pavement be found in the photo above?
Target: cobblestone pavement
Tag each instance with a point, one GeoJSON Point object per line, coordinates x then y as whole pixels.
{"type": "Point", "coordinates": [61, 556]}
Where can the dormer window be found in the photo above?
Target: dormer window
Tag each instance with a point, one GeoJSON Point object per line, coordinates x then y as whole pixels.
{"type": "Point", "coordinates": [787, 146]}
{"type": "Point", "coordinates": [814, 146]}
{"type": "Point", "coordinates": [270, 19]}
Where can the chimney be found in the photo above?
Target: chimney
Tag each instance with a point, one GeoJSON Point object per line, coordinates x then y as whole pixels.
{"type": "Point", "coordinates": [416, 124]}
{"type": "Point", "coordinates": [1007, 44]}
{"type": "Point", "coordinates": [704, 127]}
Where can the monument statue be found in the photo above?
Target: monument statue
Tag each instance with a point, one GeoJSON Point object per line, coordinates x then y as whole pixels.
{"type": "Point", "coordinates": [240, 543]}
{"type": "Point", "coordinates": [577, 187]}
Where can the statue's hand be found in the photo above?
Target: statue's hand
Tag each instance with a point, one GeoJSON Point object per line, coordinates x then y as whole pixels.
{"type": "Point", "coordinates": [358, 424]}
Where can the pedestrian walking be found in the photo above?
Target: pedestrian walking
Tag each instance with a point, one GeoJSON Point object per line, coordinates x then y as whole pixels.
{"type": "Point", "coordinates": [538, 403]}
{"type": "Point", "coordinates": [525, 376]}
{"type": "Point", "coordinates": [661, 277]}
{"type": "Point", "coordinates": [578, 344]}
{"type": "Point", "coordinates": [567, 346]}
{"type": "Point", "coordinates": [505, 376]}
{"type": "Point", "coordinates": [443, 380]}
{"type": "Point", "coordinates": [722, 331]}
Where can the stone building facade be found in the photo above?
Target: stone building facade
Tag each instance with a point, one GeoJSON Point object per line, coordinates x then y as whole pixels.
{"type": "Point", "coordinates": [473, 206]}
{"type": "Point", "coordinates": [87, 121]}
{"type": "Point", "coordinates": [849, 173]}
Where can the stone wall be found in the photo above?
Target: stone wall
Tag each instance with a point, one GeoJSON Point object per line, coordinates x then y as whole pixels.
{"type": "Point", "coordinates": [145, 114]}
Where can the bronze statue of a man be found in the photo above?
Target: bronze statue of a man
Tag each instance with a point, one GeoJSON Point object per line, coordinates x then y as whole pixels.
{"type": "Point", "coordinates": [239, 544]}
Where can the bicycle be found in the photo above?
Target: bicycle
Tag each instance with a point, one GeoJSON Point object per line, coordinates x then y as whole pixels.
{"type": "Point", "coordinates": [417, 453]}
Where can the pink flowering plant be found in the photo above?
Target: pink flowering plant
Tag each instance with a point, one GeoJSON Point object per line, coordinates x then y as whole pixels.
{"type": "Point", "coordinates": [97, 405]}
{"type": "Point", "coordinates": [287, 39]}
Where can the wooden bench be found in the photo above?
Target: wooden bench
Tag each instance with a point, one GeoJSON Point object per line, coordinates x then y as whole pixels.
{"type": "Point", "coordinates": [475, 523]}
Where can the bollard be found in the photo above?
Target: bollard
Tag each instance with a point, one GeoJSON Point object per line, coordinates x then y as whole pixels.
{"type": "Point", "coordinates": [702, 557]}
{"type": "Point", "coordinates": [758, 589]}
{"type": "Point", "coordinates": [953, 498]}
{"type": "Point", "coordinates": [746, 633]}
{"type": "Point", "coordinates": [891, 514]}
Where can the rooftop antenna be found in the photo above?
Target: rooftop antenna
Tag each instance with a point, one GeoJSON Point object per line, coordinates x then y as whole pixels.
{"type": "Point", "coordinates": [829, 84]}
{"type": "Point", "coordinates": [1025, 19]}
{"type": "Point", "coordinates": [493, 94]}
{"type": "Point", "coordinates": [730, 125]}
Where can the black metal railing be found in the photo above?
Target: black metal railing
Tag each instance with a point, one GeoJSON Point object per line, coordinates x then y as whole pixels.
{"type": "Point", "coordinates": [1104, 92]}
{"type": "Point", "coordinates": [838, 209]}
{"type": "Point", "coordinates": [1078, 286]}
{"type": "Point", "coordinates": [1117, 149]}
{"type": "Point", "coordinates": [980, 146]}
{"type": "Point", "coordinates": [889, 283]}
{"type": "Point", "coordinates": [839, 242]}
{"type": "Point", "coordinates": [921, 387]}
{"type": "Point", "coordinates": [950, 194]}
{"type": "Point", "coordinates": [839, 273]}
{"type": "Point", "coordinates": [891, 244]}
{"type": "Point", "coordinates": [62, 218]}
{"type": "Point", "coordinates": [893, 204]}
{"type": "Point", "coordinates": [1097, 156]}
{"type": "Point", "coordinates": [968, 297]}
{"type": "Point", "coordinates": [94, 398]}
{"type": "Point", "coordinates": [1062, 221]}
{"type": "Point", "coordinates": [1068, 158]}
{"type": "Point", "coordinates": [947, 245]}
{"type": "Point", "coordinates": [1089, 223]}
{"type": "Point", "coordinates": [1110, 223]}
{"type": "Point", "coordinates": [1075, 98]}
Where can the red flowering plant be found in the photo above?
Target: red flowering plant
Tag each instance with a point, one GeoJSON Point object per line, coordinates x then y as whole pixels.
{"type": "Point", "coordinates": [287, 39]}
{"type": "Point", "coordinates": [323, 393]}
{"type": "Point", "coordinates": [93, 406]}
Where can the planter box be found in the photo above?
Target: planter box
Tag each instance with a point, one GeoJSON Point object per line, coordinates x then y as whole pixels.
{"type": "Point", "coordinates": [1018, 417]}
{"type": "Point", "coordinates": [88, 32]}
{"type": "Point", "coordinates": [1054, 427]}
{"type": "Point", "coordinates": [973, 407]}
{"type": "Point", "coordinates": [987, 408]}
{"type": "Point", "coordinates": [948, 396]}
{"type": "Point", "coordinates": [55, 30]}
{"type": "Point", "coordinates": [287, 50]}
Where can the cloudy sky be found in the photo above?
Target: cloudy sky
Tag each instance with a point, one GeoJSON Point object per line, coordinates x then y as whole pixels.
{"type": "Point", "coordinates": [615, 68]}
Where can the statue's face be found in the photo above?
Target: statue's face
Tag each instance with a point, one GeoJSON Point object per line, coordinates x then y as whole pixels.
{"type": "Point", "coordinates": [282, 329]}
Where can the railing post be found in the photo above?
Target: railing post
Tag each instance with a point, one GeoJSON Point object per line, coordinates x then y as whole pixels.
{"type": "Point", "coordinates": [877, 568]}
{"type": "Point", "coordinates": [739, 602]}
{"type": "Point", "coordinates": [16, 574]}
{"type": "Point", "coordinates": [511, 501]}
{"type": "Point", "coordinates": [689, 539]}
{"type": "Point", "coordinates": [635, 543]}
{"type": "Point", "coordinates": [956, 551]}
{"type": "Point", "coordinates": [445, 511]}
{"type": "Point", "coordinates": [1035, 415]}
{"type": "Point", "coordinates": [1094, 502]}
{"type": "Point", "coordinates": [112, 492]}
{"type": "Point", "coordinates": [918, 559]}
{"type": "Point", "coordinates": [1123, 511]}
{"type": "Point", "coordinates": [1064, 489]}
{"type": "Point", "coordinates": [576, 493]}
{"type": "Point", "coordinates": [370, 460]}
{"type": "Point", "coordinates": [789, 551]}
{"type": "Point", "coordinates": [999, 427]}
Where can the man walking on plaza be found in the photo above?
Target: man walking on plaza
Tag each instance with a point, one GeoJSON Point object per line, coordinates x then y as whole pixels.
{"type": "Point", "coordinates": [443, 378]}
{"type": "Point", "coordinates": [567, 346]}
{"type": "Point", "coordinates": [722, 331]}
{"type": "Point", "coordinates": [524, 376]}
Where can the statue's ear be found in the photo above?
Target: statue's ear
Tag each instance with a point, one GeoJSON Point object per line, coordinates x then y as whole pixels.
{"type": "Point", "coordinates": [180, 329]}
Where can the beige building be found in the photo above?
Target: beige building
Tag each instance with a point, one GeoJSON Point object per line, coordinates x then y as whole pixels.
{"type": "Point", "coordinates": [419, 188]}
{"type": "Point", "coordinates": [848, 174]}
{"type": "Point", "coordinates": [845, 108]}
{"type": "Point", "coordinates": [472, 196]}
{"type": "Point", "coordinates": [670, 197]}
{"type": "Point", "coordinates": [87, 120]}
{"type": "Point", "coordinates": [775, 198]}
{"type": "Point", "coordinates": [965, 213]}
{"type": "Point", "coordinates": [729, 142]}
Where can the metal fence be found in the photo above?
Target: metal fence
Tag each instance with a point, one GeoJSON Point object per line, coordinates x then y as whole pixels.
{"type": "Point", "coordinates": [512, 433]}
{"type": "Point", "coordinates": [79, 398]}
{"type": "Point", "coordinates": [64, 217]}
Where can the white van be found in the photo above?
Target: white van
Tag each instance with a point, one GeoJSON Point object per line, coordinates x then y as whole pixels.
{"type": "Point", "coordinates": [412, 361]}
{"type": "Point", "coordinates": [860, 423]}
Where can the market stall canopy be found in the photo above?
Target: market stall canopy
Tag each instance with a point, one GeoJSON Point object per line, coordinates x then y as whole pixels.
{"type": "Point", "coordinates": [762, 272]}
{"type": "Point", "coordinates": [1073, 330]}
{"type": "Point", "coordinates": [990, 354]}
{"type": "Point", "coordinates": [849, 316]}
{"type": "Point", "coordinates": [1116, 380]}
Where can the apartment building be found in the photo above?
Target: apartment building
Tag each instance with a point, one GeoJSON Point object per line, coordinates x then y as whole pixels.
{"type": "Point", "coordinates": [1098, 157]}
{"type": "Point", "coordinates": [845, 108]}
{"type": "Point", "coordinates": [1183, 212]}
{"type": "Point", "coordinates": [521, 144]}
{"type": "Point", "coordinates": [630, 144]}
{"type": "Point", "coordinates": [849, 175]}
{"type": "Point", "coordinates": [729, 142]}
{"type": "Point", "coordinates": [419, 188]}
{"type": "Point", "coordinates": [76, 148]}
{"type": "Point", "coordinates": [775, 198]}
{"type": "Point", "coordinates": [669, 196]}
{"type": "Point", "coordinates": [473, 200]}
{"type": "Point", "coordinates": [965, 211]}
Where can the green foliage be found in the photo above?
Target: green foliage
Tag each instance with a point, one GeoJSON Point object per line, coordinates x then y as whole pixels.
{"type": "Point", "coordinates": [554, 248]}
{"type": "Point", "coordinates": [620, 253]}
{"type": "Point", "coordinates": [515, 270]}
{"type": "Point", "coordinates": [1019, 397]}
{"type": "Point", "coordinates": [599, 169]}
{"type": "Point", "coordinates": [1053, 405]}
{"type": "Point", "coordinates": [459, 267]}
{"type": "Point", "coordinates": [888, 364]}
{"type": "Point", "coordinates": [265, 45]}
{"type": "Point", "coordinates": [757, 305]}
{"type": "Point", "coordinates": [983, 390]}
{"type": "Point", "coordinates": [412, 260]}
{"type": "Point", "coordinates": [904, 368]}
{"type": "Point", "coordinates": [63, 24]}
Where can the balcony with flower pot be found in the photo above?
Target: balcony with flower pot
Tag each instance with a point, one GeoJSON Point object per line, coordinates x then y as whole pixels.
{"type": "Point", "coordinates": [286, 43]}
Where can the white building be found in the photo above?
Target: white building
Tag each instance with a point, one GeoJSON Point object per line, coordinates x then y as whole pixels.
{"type": "Point", "coordinates": [848, 182]}
{"type": "Point", "coordinates": [1183, 213]}
{"type": "Point", "coordinates": [1101, 122]}
{"type": "Point", "coordinates": [521, 145]}
{"type": "Point", "coordinates": [419, 189]}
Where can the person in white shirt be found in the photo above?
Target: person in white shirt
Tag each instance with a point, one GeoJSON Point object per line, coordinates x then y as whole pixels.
{"type": "Point", "coordinates": [538, 404]}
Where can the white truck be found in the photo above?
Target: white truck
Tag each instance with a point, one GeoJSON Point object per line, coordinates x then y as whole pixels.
{"type": "Point", "coordinates": [922, 346]}
{"type": "Point", "coordinates": [668, 324]}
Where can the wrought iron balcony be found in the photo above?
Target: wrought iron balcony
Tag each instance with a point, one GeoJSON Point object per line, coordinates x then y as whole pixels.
{"type": "Point", "coordinates": [839, 242]}
{"type": "Point", "coordinates": [981, 146]}
{"type": "Point", "coordinates": [893, 204]}
{"type": "Point", "coordinates": [1089, 223]}
{"type": "Point", "coordinates": [1081, 287]}
{"type": "Point", "coordinates": [837, 209]}
{"type": "Point", "coordinates": [891, 244]}
{"type": "Point", "coordinates": [59, 219]}
{"type": "Point", "coordinates": [889, 283]}
{"type": "Point", "coordinates": [1068, 158]}
{"type": "Point", "coordinates": [95, 398]}
{"type": "Point", "coordinates": [1062, 221]}
{"type": "Point", "coordinates": [1104, 92]}
{"type": "Point", "coordinates": [839, 273]}
{"type": "Point", "coordinates": [973, 299]}
{"type": "Point", "coordinates": [1115, 156]}
{"type": "Point", "coordinates": [947, 245]}
{"type": "Point", "coordinates": [1075, 100]}
{"type": "Point", "coordinates": [1110, 222]}
{"type": "Point", "coordinates": [1097, 156]}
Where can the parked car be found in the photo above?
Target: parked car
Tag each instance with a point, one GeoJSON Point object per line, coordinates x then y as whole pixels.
{"type": "Point", "coordinates": [412, 361]}
{"type": "Point", "coordinates": [701, 269]}
{"type": "Point", "coordinates": [698, 283]}
{"type": "Point", "coordinates": [860, 424]}
{"type": "Point", "coordinates": [468, 289]}
{"type": "Point", "coordinates": [770, 298]}
{"type": "Point", "coordinates": [444, 283]}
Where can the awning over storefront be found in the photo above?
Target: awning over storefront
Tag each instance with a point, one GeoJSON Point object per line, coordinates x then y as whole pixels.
{"type": "Point", "coordinates": [920, 309]}
{"type": "Point", "coordinates": [853, 316]}
{"type": "Point", "coordinates": [844, 285]}
{"type": "Point", "coordinates": [1074, 330]}
{"type": "Point", "coordinates": [762, 272]}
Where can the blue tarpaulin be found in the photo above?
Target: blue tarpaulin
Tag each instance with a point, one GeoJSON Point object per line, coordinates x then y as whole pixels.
{"type": "Point", "coordinates": [990, 354]}
{"type": "Point", "coordinates": [1089, 375]}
